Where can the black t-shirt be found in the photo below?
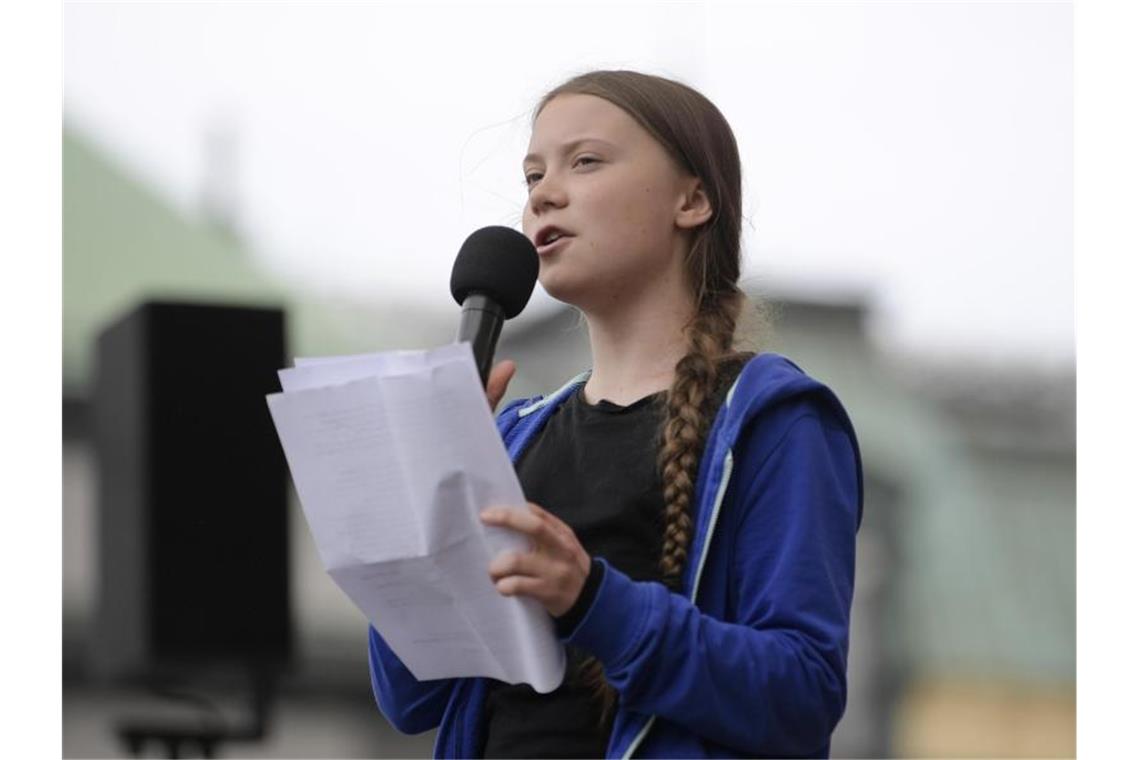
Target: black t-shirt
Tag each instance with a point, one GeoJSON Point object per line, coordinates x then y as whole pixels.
{"type": "Point", "coordinates": [595, 467]}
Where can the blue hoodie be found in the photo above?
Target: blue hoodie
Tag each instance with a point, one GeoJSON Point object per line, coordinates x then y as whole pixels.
{"type": "Point", "coordinates": [750, 657]}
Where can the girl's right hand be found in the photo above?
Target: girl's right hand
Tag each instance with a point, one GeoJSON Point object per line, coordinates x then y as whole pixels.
{"type": "Point", "coordinates": [497, 381]}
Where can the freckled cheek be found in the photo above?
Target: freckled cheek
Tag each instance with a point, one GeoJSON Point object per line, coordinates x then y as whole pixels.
{"type": "Point", "coordinates": [622, 225]}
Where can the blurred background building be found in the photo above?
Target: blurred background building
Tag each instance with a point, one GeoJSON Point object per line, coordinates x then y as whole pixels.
{"type": "Point", "coordinates": [963, 640]}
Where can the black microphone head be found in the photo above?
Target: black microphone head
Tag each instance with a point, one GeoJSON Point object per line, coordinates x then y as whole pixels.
{"type": "Point", "coordinates": [498, 262]}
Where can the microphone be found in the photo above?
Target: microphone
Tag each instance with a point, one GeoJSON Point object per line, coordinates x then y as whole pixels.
{"type": "Point", "coordinates": [492, 279]}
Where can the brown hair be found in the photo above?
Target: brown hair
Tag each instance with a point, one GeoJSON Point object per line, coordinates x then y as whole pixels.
{"type": "Point", "coordinates": [701, 143]}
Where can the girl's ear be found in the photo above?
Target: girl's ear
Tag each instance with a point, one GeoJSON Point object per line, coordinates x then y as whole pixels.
{"type": "Point", "coordinates": [695, 208]}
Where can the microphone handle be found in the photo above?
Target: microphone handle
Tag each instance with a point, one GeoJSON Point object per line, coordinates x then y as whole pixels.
{"type": "Point", "coordinates": [480, 323]}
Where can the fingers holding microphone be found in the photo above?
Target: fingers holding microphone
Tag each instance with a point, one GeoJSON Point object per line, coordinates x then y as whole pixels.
{"type": "Point", "coordinates": [497, 381]}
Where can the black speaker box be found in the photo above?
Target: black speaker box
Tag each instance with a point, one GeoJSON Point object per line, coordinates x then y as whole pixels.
{"type": "Point", "coordinates": [193, 515]}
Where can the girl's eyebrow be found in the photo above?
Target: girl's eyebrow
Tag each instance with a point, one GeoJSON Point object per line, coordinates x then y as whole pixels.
{"type": "Point", "coordinates": [566, 148]}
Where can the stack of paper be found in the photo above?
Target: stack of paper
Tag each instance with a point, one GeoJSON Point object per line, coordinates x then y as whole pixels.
{"type": "Point", "coordinates": [393, 456]}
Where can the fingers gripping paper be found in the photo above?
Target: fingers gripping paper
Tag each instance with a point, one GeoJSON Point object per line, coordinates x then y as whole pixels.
{"type": "Point", "coordinates": [393, 456]}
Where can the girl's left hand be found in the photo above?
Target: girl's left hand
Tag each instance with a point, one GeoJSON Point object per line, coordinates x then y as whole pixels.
{"type": "Point", "coordinates": [555, 569]}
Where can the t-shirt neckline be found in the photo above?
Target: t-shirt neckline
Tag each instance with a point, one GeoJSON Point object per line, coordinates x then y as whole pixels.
{"type": "Point", "coordinates": [610, 407]}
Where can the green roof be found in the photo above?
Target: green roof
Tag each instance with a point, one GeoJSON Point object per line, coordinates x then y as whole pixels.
{"type": "Point", "coordinates": [123, 244]}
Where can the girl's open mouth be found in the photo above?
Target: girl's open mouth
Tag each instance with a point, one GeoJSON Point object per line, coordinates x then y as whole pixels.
{"type": "Point", "coordinates": [548, 247]}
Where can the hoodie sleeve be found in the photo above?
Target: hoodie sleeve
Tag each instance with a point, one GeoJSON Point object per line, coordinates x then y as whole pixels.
{"type": "Point", "coordinates": [411, 706]}
{"type": "Point", "coordinates": [772, 681]}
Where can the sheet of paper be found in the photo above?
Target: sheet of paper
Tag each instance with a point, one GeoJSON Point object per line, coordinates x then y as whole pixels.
{"type": "Point", "coordinates": [393, 456]}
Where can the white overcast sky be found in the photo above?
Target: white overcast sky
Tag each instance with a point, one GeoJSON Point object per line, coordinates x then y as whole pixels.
{"type": "Point", "coordinates": [921, 152]}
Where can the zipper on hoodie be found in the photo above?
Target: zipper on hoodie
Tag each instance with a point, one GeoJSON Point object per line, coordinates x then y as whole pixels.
{"type": "Point", "coordinates": [726, 473]}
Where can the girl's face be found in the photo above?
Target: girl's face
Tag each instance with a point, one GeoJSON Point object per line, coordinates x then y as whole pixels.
{"type": "Point", "coordinates": [592, 171]}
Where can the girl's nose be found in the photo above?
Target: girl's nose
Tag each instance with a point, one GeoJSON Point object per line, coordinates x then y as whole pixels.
{"type": "Point", "coordinates": [548, 192]}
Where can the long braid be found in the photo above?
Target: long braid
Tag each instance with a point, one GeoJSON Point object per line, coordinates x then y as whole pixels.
{"type": "Point", "coordinates": [696, 378]}
{"type": "Point", "coordinates": [688, 403]}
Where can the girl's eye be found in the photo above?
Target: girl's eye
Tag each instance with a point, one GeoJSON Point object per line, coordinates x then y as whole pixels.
{"type": "Point", "coordinates": [533, 177]}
